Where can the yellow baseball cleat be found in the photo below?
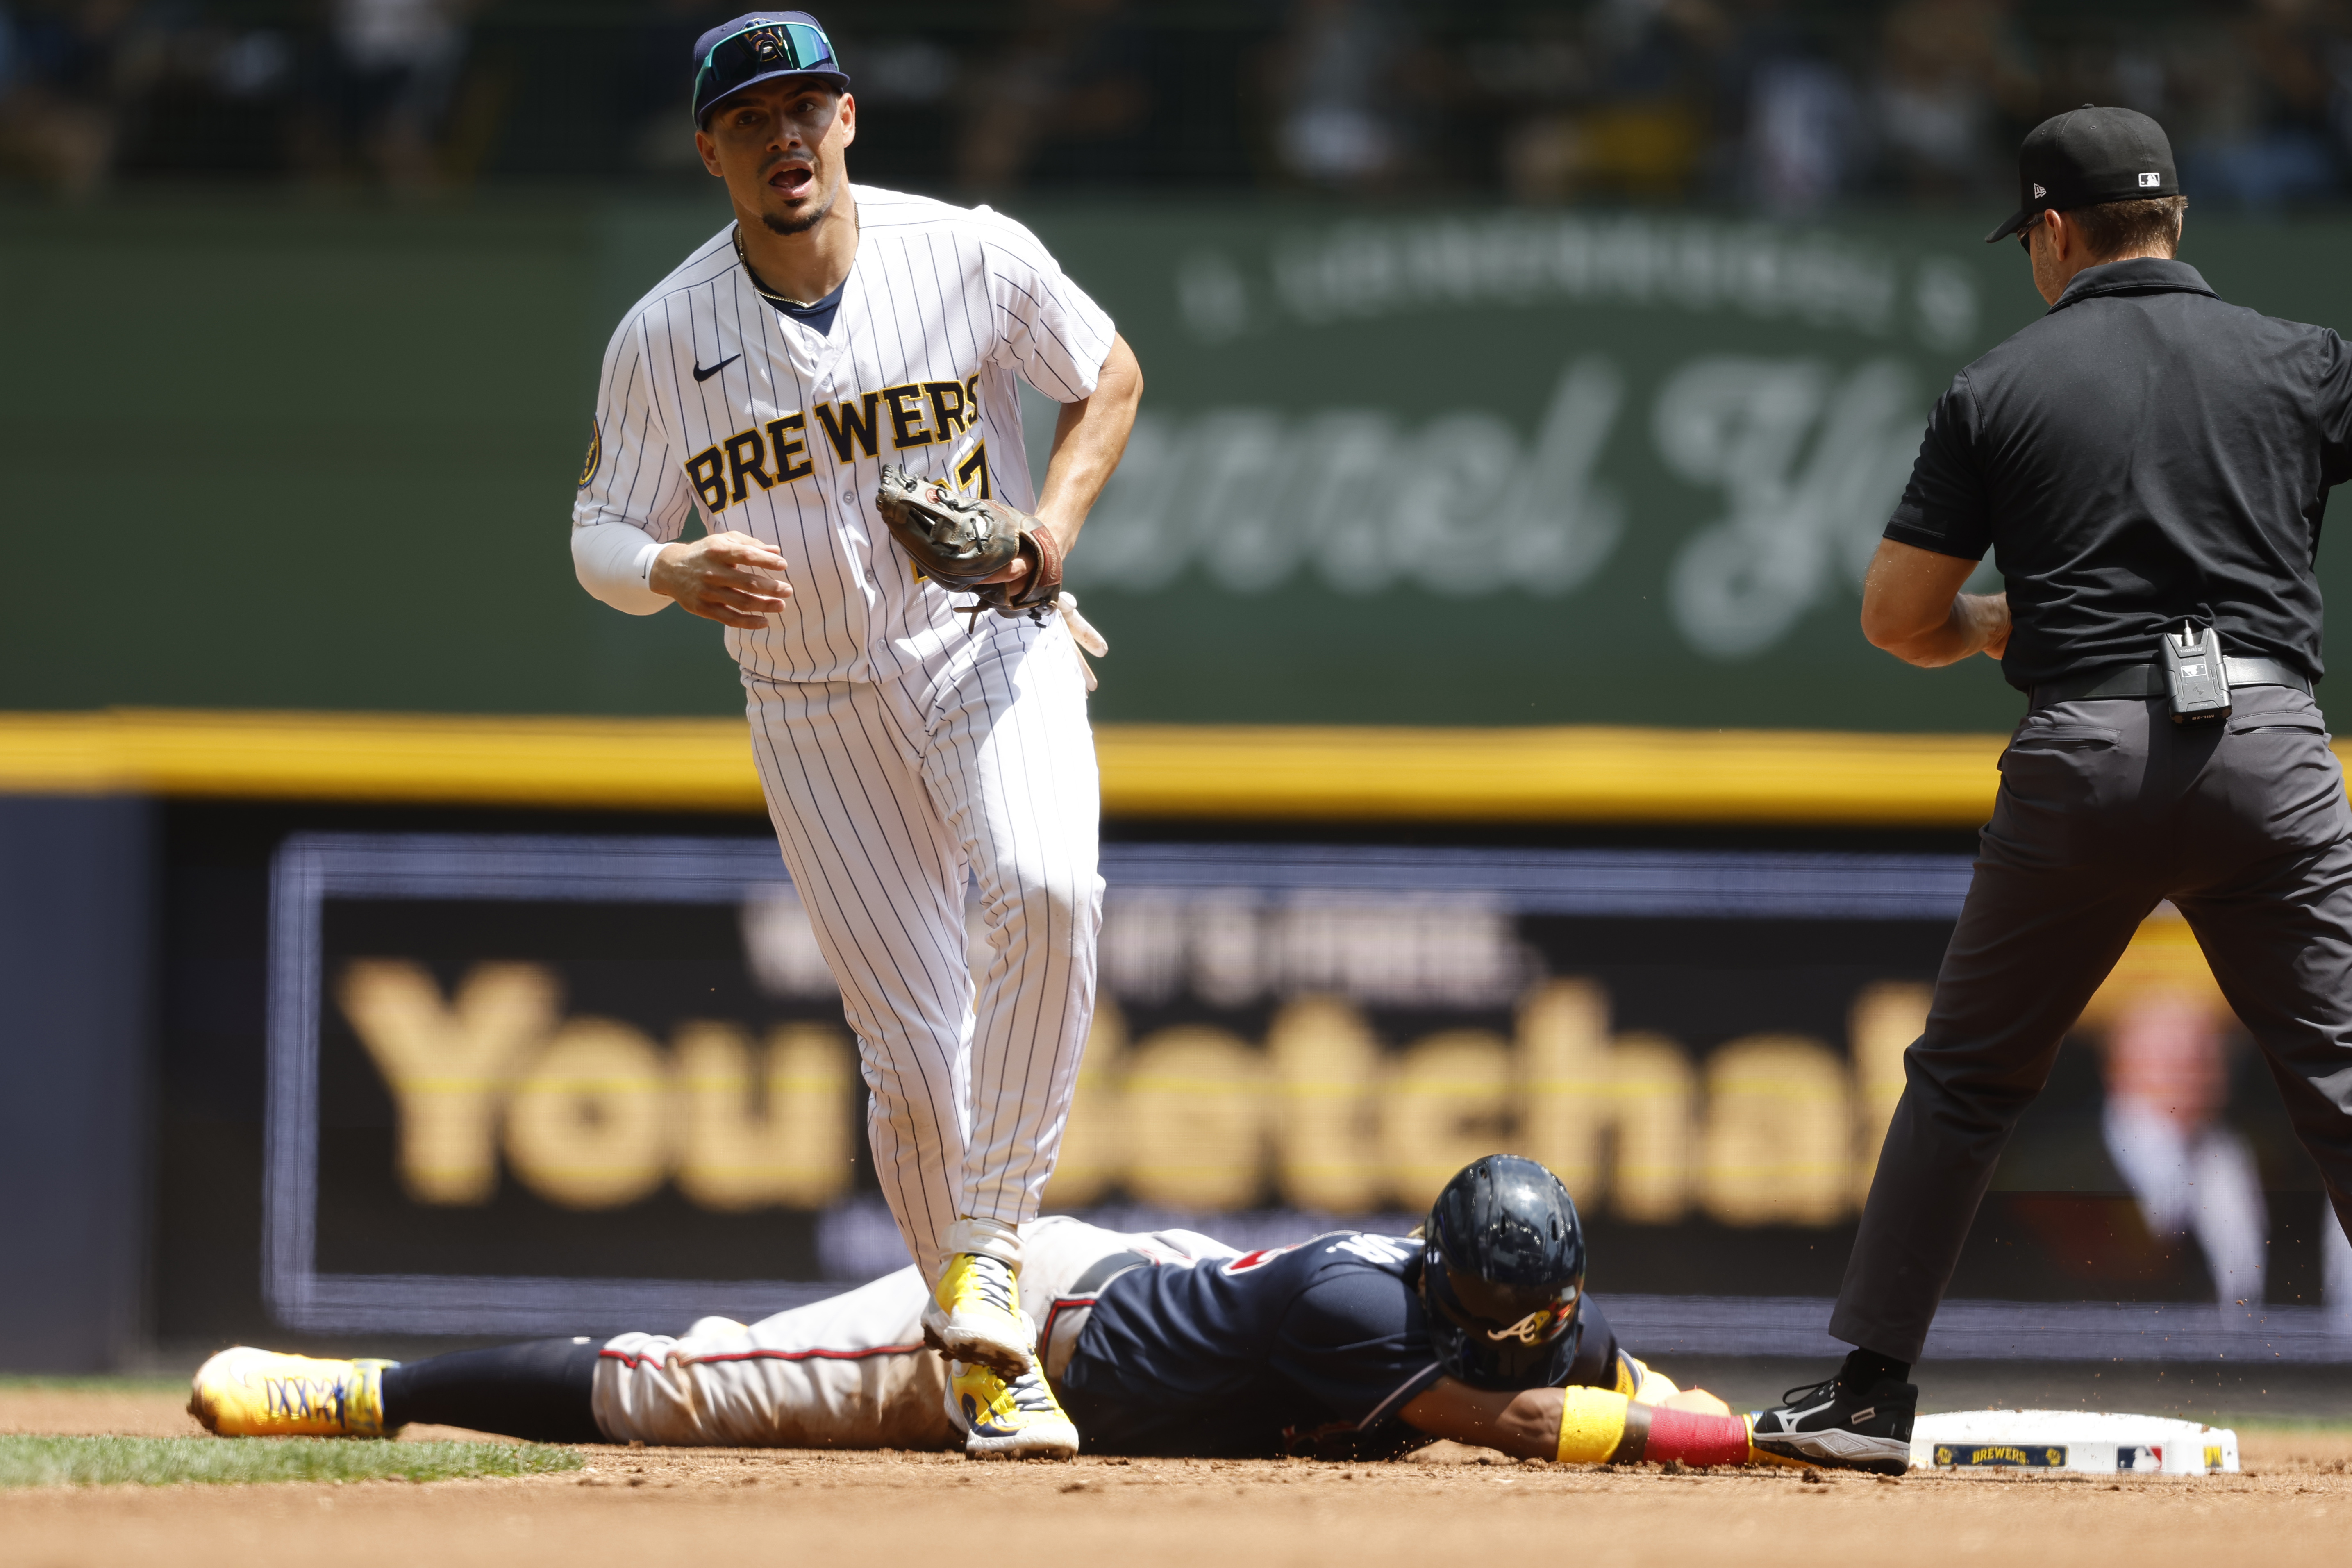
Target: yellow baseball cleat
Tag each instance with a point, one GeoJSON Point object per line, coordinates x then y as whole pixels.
{"type": "Point", "coordinates": [975, 1316]}
{"type": "Point", "coordinates": [1015, 1420]}
{"type": "Point", "coordinates": [248, 1393]}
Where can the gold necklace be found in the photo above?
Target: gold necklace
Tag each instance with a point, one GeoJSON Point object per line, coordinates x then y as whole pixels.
{"type": "Point", "coordinates": [760, 287]}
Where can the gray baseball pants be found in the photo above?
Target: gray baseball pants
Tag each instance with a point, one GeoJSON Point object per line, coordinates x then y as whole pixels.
{"type": "Point", "coordinates": [2105, 808]}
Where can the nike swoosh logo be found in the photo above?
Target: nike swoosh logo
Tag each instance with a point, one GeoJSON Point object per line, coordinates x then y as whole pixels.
{"type": "Point", "coordinates": [702, 374]}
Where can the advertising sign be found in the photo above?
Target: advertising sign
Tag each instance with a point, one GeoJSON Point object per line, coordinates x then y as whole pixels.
{"type": "Point", "coordinates": [1480, 466]}
{"type": "Point", "coordinates": [545, 1085]}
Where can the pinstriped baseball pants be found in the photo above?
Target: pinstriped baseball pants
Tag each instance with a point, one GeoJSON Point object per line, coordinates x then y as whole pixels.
{"type": "Point", "coordinates": [885, 795]}
{"type": "Point", "coordinates": [850, 1372]}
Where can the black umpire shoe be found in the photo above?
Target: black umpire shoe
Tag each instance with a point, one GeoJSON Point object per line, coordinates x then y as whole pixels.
{"type": "Point", "coordinates": [1829, 1423]}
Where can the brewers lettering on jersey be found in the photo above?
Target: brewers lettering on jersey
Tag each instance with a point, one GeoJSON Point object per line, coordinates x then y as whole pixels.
{"type": "Point", "coordinates": [830, 330]}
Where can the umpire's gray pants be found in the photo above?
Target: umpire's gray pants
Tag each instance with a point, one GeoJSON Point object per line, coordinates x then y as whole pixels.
{"type": "Point", "coordinates": [2106, 807]}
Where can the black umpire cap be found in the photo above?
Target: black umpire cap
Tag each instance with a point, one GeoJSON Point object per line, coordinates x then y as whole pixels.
{"type": "Point", "coordinates": [2086, 156]}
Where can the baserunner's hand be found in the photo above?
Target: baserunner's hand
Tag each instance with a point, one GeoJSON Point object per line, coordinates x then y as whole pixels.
{"type": "Point", "coordinates": [730, 578]}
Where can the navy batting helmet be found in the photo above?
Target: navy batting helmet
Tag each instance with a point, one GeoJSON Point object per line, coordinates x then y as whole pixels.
{"type": "Point", "coordinates": [1504, 1274]}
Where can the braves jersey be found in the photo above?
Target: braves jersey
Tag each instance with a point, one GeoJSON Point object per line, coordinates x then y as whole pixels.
{"type": "Point", "coordinates": [1311, 1348]}
{"type": "Point", "coordinates": [714, 399]}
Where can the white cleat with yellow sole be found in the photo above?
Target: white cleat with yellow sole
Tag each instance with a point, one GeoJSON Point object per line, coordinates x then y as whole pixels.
{"type": "Point", "coordinates": [975, 1316]}
{"type": "Point", "coordinates": [1015, 1420]}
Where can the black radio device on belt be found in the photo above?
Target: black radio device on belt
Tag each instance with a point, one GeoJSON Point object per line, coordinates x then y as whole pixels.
{"type": "Point", "coordinates": [2195, 675]}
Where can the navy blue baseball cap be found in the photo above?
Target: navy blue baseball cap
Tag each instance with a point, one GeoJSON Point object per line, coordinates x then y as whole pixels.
{"type": "Point", "coordinates": [759, 48]}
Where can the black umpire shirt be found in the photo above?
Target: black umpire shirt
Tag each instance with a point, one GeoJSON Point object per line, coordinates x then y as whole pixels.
{"type": "Point", "coordinates": [2141, 454]}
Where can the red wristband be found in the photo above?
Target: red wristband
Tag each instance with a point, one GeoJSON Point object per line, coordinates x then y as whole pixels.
{"type": "Point", "coordinates": [1696, 1438]}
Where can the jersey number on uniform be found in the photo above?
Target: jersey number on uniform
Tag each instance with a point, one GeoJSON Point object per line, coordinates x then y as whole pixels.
{"type": "Point", "coordinates": [974, 466]}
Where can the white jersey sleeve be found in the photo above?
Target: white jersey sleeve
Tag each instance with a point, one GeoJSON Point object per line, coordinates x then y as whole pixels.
{"type": "Point", "coordinates": [630, 477]}
{"type": "Point", "coordinates": [1048, 331]}
{"type": "Point", "coordinates": [615, 561]}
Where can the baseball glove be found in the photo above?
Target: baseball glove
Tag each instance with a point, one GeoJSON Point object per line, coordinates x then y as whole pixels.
{"type": "Point", "coordinates": [956, 540]}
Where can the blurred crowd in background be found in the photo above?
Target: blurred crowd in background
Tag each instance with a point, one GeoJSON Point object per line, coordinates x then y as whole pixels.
{"type": "Point", "coordinates": [1787, 107]}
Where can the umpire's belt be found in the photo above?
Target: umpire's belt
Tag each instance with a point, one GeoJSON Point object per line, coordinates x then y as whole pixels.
{"type": "Point", "coordinates": [2147, 681]}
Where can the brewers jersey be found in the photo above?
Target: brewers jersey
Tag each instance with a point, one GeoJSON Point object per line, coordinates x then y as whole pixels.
{"type": "Point", "coordinates": [1312, 1349]}
{"type": "Point", "coordinates": [713, 399]}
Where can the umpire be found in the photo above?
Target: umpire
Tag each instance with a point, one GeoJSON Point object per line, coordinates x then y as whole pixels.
{"type": "Point", "coordinates": [2150, 467]}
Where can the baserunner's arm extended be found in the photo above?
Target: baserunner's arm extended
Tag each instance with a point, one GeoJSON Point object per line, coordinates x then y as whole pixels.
{"type": "Point", "coordinates": [1582, 1426]}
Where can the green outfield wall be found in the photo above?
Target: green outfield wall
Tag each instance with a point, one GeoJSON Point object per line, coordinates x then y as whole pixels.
{"type": "Point", "coordinates": [1396, 467]}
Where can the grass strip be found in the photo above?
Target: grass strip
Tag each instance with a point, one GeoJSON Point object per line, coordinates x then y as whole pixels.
{"type": "Point", "coordinates": [238, 1461]}
{"type": "Point", "coordinates": [93, 1383]}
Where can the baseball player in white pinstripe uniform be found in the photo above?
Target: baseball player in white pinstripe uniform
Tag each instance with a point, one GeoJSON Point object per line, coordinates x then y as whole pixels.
{"type": "Point", "coordinates": [830, 330]}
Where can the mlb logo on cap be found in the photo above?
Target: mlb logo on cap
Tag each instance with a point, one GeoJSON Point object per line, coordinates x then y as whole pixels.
{"type": "Point", "coordinates": [2088, 156]}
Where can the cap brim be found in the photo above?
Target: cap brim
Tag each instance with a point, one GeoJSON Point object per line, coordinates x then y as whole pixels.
{"type": "Point", "coordinates": [2022, 216]}
{"type": "Point", "coordinates": [840, 80]}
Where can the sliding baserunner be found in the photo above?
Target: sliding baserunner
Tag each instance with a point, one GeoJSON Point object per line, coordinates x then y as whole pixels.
{"type": "Point", "coordinates": [1350, 1346]}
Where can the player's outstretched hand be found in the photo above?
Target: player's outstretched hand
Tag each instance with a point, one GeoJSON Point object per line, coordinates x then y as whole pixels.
{"type": "Point", "coordinates": [730, 578]}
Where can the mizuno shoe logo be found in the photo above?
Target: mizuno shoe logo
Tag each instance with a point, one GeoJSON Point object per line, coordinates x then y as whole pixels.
{"type": "Point", "coordinates": [702, 374]}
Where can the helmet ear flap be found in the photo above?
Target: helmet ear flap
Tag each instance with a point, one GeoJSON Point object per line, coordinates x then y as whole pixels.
{"type": "Point", "coordinates": [1447, 1335]}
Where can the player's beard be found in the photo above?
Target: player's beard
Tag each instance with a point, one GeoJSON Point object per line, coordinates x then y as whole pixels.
{"type": "Point", "coordinates": [801, 224]}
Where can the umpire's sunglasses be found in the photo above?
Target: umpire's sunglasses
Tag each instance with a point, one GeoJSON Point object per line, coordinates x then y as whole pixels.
{"type": "Point", "coordinates": [766, 49]}
{"type": "Point", "coordinates": [2025, 231]}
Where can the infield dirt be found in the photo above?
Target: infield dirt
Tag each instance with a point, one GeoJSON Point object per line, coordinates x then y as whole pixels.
{"type": "Point", "coordinates": [2292, 1506]}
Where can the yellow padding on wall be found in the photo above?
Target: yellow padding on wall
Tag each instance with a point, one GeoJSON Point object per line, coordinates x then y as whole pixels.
{"type": "Point", "coordinates": [1600, 773]}
{"type": "Point", "coordinates": [1267, 771]}
{"type": "Point", "coordinates": [680, 765]}
{"type": "Point", "coordinates": [1591, 1424]}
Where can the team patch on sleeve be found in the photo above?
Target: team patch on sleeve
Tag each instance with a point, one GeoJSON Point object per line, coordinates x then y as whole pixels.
{"type": "Point", "coordinates": [1258, 1259]}
{"type": "Point", "coordinates": [595, 454]}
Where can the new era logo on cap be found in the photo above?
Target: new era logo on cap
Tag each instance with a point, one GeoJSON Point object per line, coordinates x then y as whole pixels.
{"type": "Point", "coordinates": [2088, 156]}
